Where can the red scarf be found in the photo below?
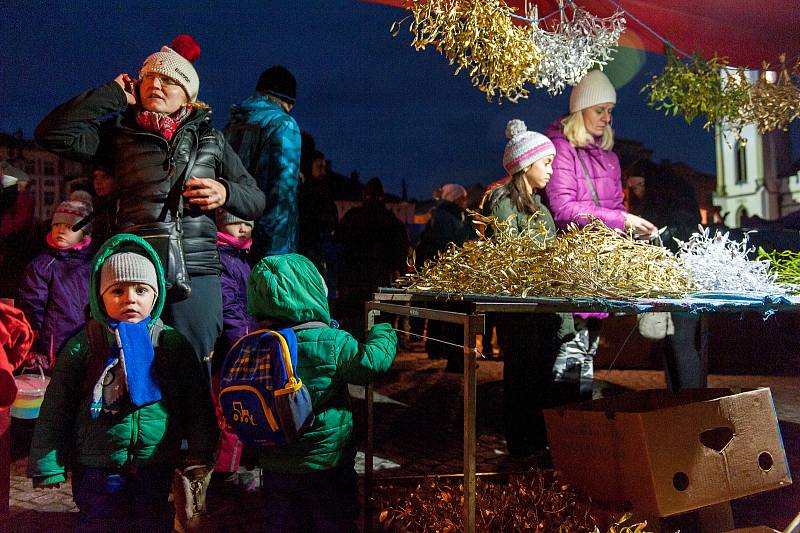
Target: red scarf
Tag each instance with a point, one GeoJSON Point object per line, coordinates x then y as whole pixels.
{"type": "Point", "coordinates": [164, 125]}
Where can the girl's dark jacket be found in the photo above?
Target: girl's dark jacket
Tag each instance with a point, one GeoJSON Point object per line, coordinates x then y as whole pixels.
{"type": "Point", "coordinates": [98, 127]}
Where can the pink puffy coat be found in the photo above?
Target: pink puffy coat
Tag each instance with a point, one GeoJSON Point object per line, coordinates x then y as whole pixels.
{"type": "Point", "coordinates": [569, 195]}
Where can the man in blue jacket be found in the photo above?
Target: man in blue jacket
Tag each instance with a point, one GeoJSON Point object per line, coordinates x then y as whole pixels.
{"type": "Point", "coordinates": [267, 140]}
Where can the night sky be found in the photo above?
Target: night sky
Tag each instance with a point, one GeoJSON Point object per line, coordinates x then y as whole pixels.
{"type": "Point", "coordinates": [371, 102]}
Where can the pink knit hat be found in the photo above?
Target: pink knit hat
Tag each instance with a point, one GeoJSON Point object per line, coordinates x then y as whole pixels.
{"type": "Point", "coordinates": [524, 147]}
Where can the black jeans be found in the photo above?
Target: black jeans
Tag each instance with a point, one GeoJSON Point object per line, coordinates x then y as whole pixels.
{"type": "Point", "coordinates": [122, 500]}
{"type": "Point", "coordinates": [530, 345]}
{"type": "Point", "coordinates": [683, 368]}
{"type": "Point", "coordinates": [199, 317]}
{"type": "Point", "coordinates": [325, 501]}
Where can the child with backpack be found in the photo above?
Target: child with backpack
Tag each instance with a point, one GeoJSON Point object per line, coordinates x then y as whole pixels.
{"type": "Point", "coordinates": [125, 391]}
{"type": "Point", "coordinates": [309, 484]}
{"type": "Point", "coordinates": [233, 243]}
{"type": "Point", "coordinates": [53, 293]}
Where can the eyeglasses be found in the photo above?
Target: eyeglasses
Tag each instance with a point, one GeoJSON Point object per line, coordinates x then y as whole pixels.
{"type": "Point", "coordinates": [165, 80]}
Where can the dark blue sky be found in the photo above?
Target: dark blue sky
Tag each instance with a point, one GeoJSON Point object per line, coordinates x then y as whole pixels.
{"type": "Point", "coordinates": [372, 103]}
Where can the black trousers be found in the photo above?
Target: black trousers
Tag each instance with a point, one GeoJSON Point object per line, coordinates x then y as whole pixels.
{"type": "Point", "coordinates": [199, 317]}
{"type": "Point", "coordinates": [530, 345]}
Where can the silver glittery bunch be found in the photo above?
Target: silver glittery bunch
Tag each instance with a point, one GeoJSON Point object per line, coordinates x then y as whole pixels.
{"type": "Point", "coordinates": [719, 263]}
{"type": "Point", "coordinates": [577, 44]}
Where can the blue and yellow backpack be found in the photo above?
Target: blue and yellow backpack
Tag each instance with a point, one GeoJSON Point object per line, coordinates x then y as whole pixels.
{"type": "Point", "coordinates": [263, 401]}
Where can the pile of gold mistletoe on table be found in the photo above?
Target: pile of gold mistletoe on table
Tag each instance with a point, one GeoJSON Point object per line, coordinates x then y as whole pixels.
{"type": "Point", "coordinates": [533, 501]}
{"type": "Point", "coordinates": [592, 261]}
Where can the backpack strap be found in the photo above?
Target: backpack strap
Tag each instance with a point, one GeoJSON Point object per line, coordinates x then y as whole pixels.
{"type": "Point", "coordinates": [589, 183]}
{"type": "Point", "coordinates": [314, 324]}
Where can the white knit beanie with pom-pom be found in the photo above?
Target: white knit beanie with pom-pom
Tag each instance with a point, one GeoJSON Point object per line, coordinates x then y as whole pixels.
{"type": "Point", "coordinates": [176, 63]}
{"type": "Point", "coordinates": [524, 147]}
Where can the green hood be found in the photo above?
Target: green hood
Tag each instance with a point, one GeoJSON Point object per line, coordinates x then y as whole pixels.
{"type": "Point", "coordinates": [287, 289]}
{"type": "Point", "coordinates": [124, 242]}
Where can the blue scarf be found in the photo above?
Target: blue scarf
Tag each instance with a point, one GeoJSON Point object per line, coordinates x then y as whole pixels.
{"type": "Point", "coordinates": [129, 366]}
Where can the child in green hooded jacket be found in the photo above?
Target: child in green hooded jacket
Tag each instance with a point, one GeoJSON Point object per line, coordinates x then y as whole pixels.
{"type": "Point", "coordinates": [310, 485]}
{"type": "Point", "coordinates": [125, 391]}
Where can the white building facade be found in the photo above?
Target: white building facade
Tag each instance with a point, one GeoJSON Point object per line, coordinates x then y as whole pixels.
{"type": "Point", "coordinates": [754, 174]}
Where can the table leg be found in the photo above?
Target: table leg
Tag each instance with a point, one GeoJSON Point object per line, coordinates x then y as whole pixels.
{"type": "Point", "coordinates": [368, 446]}
{"type": "Point", "coordinates": [470, 404]}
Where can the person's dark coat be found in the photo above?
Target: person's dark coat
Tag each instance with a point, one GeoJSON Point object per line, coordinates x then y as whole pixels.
{"type": "Point", "coordinates": [448, 224]}
{"type": "Point", "coordinates": [54, 294]}
{"type": "Point", "coordinates": [375, 246]}
{"type": "Point", "coordinates": [147, 166]}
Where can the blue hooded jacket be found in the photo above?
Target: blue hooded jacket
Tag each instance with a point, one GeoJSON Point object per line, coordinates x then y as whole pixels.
{"type": "Point", "coordinates": [267, 141]}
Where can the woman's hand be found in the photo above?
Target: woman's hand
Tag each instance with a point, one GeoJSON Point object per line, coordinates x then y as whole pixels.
{"type": "Point", "coordinates": [205, 193]}
{"type": "Point", "coordinates": [641, 228]}
{"type": "Point", "coordinates": [128, 85]}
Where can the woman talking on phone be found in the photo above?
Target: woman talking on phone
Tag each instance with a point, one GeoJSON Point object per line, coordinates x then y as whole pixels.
{"type": "Point", "coordinates": [173, 170]}
{"type": "Point", "coordinates": [587, 182]}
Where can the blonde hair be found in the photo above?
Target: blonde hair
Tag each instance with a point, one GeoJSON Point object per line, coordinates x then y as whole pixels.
{"type": "Point", "coordinates": [578, 136]}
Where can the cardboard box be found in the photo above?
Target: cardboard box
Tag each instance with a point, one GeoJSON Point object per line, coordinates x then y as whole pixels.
{"type": "Point", "coordinates": [665, 453]}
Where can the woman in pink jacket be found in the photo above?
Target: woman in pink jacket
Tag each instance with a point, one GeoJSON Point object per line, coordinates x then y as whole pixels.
{"type": "Point", "coordinates": [586, 181]}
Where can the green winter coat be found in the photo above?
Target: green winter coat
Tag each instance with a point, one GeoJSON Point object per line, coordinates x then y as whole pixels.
{"type": "Point", "coordinates": [288, 290]}
{"type": "Point", "coordinates": [499, 204]}
{"type": "Point", "coordinates": [66, 433]}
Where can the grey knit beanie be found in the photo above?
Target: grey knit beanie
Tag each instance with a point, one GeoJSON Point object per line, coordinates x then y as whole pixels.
{"type": "Point", "coordinates": [127, 267]}
{"type": "Point", "coordinates": [224, 217]}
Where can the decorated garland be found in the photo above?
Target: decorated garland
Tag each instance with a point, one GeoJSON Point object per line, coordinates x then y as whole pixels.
{"type": "Point", "coordinates": [710, 89]}
{"type": "Point", "coordinates": [502, 57]}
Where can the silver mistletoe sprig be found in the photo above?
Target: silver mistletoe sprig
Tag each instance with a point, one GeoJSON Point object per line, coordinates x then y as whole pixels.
{"type": "Point", "coordinates": [719, 263]}
{"type": "Point", "coordinates": [577, 44]}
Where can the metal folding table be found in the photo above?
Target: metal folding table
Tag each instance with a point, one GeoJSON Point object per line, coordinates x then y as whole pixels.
{"type": "Point", "coordinates": [404, 303]}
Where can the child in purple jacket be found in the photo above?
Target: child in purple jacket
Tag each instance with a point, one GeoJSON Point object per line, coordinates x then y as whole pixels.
{"type": "Point", "coordinates": [54, 291]}
{"type": "Point", "coordinates": [233, 243]}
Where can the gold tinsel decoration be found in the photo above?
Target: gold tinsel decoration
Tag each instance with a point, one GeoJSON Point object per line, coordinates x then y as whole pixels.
{"type": "Point", "coordinates": [479, 36]}
{"type": "Point", "coordinates": [592, 261]}
{"type": "Point", "coordinates": [534, 501]}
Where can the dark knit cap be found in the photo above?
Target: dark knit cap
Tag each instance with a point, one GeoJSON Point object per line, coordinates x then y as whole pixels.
{"type": "Point", "coordinates": [278, 82]}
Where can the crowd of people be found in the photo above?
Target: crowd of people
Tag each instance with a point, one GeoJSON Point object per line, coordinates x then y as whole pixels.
{"type": "Point", "coordinates": [196, 238]}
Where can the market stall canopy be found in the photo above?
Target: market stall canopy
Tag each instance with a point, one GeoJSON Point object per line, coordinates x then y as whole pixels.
{"type": "Point", "coordinates": [746, 31]}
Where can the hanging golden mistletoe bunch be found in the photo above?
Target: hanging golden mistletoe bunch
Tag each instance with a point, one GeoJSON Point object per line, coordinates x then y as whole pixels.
{"type": "Point", "coordinates": [710, 89]}
{"type": "Point", "coordinates": [773, 105]}
{"type": "Point", "coordinates": [534, 501]}
{"type": "Point", "coordinates": [479, 37]}
{"type": "Point", "coordinates": [593, 261]}
{"type": "Point", "coordinates": [580, 42]}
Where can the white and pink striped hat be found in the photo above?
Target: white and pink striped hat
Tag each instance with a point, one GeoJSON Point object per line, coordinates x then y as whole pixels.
{"type": "Point", "coordinates": [524, 147]}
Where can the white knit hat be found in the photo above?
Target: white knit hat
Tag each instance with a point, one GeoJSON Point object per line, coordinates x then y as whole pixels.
{"type": "Point", "coordinates": [595, 88]}
{"type": "Point", "coordinates": [170, 63]}
{"type": "Point", "coordinates": [524, 147]}
{"type": "Point", "coordinates": [127, 267]}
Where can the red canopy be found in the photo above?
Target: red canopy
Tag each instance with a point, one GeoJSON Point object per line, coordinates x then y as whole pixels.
{"type": "Point", "coordinates": [746, 31]}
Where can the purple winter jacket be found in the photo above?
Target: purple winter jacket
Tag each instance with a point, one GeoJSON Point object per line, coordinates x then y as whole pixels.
{"type": "Point", "coordinates": [236, 322]}
{"type": "Point", "coordinates": [54, 294]}
{"type": "Point", "coordinates": [568, 194]}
